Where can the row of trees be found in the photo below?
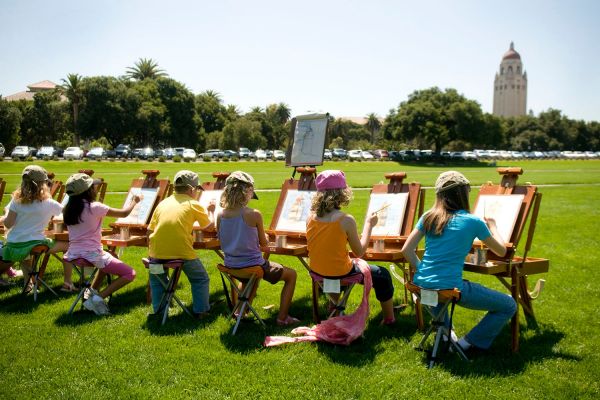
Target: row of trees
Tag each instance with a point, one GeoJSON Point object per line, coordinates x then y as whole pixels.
{"type": "Point", "coordinates": [146, 107]}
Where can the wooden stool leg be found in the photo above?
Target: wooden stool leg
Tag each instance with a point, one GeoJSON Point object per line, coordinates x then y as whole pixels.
{"type": "Point", "coordinates": [514, 291]}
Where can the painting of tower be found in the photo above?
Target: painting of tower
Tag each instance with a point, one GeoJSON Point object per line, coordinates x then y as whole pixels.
{"type": "Point", "coordinates": [510, 86]}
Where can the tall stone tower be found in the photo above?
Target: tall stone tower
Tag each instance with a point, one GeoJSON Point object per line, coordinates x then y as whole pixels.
{"type": "Point", "coordinates": [510, 86]}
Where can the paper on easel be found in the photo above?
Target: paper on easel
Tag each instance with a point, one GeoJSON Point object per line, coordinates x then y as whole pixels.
{"type": "Point", "coordinates": [429, 297]}
{"type": "Point", "coordinates": [331, 285]}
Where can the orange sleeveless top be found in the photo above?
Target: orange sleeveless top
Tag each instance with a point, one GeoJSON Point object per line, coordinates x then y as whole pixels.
{"type": "Point", "coordinates": [327, 248]}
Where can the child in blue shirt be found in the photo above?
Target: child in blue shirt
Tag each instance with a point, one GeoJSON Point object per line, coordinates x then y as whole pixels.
{"type": "Point", "coordinates": [449, 230]}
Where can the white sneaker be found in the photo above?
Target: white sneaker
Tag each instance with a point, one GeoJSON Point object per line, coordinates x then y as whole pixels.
{"type": "Point", "coordinates": [89, 293]}
{"type": "Point", "coordinates": [89, 305]}
{"type": "Point", "coordinates": [100, 306]}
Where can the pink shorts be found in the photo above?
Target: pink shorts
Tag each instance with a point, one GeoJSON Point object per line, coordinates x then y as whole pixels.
{"type": "Point", "coordinates": [114, 266]}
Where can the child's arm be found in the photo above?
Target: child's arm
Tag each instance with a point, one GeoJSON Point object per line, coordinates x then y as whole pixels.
{"type": "Point", "coordinates": [494, 242]}
{"type": "Point", "coordinates": [358, 245]}
{"type": "Point", "coordinates": [125, 211]}
{"type": "Point", "coordinates": [409, 250]}
{"type": "Point", "coordinates": [9, 219]}
{"type": "Point", "coordinates": [254, 218]}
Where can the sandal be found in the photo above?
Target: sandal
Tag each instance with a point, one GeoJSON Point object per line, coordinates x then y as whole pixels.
{"type": "Point", "coordinates": [69, 288]}
{"type": "Point", "coordinates": [289, 320]}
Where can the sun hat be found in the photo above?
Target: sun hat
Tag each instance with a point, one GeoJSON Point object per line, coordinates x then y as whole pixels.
{"type": "Point", "coordinates": [186, 178]}
{"type": "Point", "coordinates": [35, 173]}
{"type": "Point", "coordinates": [78, 183]}
{"type": "Point", "coordinates": [241, 176]}
{"type": "Point", "coordinates": [331, 179]}
{"type": "Point", "coordinates": [450, 179]}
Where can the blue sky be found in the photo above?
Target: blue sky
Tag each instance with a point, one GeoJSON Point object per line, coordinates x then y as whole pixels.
{"type": "Point", "coordinates": [348, 58]}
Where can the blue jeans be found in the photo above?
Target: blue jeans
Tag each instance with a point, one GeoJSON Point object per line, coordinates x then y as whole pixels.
{"type": "Point", "coordinates": [196, 274]}
{"type": "Point", "coordinates": [500, 307]}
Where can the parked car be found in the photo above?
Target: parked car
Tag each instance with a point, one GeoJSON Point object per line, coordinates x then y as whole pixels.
{"type": "Point", "coordinates": [73, 153]}
{"type": "Point", "coordinates": [123, 151]}
{"type": "Point", "coordinates": [212, 153]}
{"type": "Point", "coordinates": [278, 155]}
{"type": "Point", "coordinates": [2, 150]}
{"type": "Point", "coordinates": [158, 152]}
{"type": "Point", "coordinates": [244, 152]}
{"type": "Point", "coordinates": [327, 155]}
{"type": "Point", "coordinates": [46, 151]}
{"type": "Point", "coordinates": [110, 153]}
{"type": "Point", "coordinates": [96, 153]}
{"type": "Point", "coordinates": [366, 155]}
{"type": "Point", "coordinates": [355, 155]}
{"type": "Point", "coordinates": [146, 153]}
{"type": "Point", "coordinates": [137, 153]}
{"type": "Point", "coordinates": [21, 152]}
{"type": "Point", "coordinates": [260, 155]}
{"type": "Point", "coordinates": [339, 153]}
{"type": "Point", "coordinates": [189, 154]}
{"type": "Point", "coordinates": [380, 153]}
{"type": "Point", "coordinates": [469, 156]}
{"type": "Point", "coordinates": [179, 151]}
{"type": "Point", "coordinates": [229, 154]}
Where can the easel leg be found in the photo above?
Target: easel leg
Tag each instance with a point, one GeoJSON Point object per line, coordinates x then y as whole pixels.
{"type": "Point", "coordinates": [514, 291]}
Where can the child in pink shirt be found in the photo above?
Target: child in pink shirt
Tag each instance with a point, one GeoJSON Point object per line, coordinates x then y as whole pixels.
{"type": "Point", "coordinates": [83, 216]}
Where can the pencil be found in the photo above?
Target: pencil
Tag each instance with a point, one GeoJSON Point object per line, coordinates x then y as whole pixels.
{"type": "Point", "coordinates": [382, 208]}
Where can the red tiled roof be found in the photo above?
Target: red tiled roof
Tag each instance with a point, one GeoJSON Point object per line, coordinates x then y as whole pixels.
{"type": "Point", "coordinates": [44, 85]}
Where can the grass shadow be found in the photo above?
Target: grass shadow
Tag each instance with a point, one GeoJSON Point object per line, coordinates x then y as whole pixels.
{"type": "Point", "coordinates": [499, 361]}
{"type": "Point", "coordinates": [178, 321]}
{"type": "Point", "coordinates": [19, 303]}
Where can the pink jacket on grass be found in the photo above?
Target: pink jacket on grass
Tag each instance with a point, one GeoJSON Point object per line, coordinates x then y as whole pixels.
{"type": "Point", "coordinates": [343, 329]}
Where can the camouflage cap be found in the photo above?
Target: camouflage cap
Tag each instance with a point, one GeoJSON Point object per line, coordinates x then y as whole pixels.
{"type": "Point", "coordinates": [186, 178]}
{"type": "Point", "coordinates": [35, 173]}
{"type": "Point", "coordinates": [78, 183]}
{"type": "Point", "coordinates": [450, 179]}
{"type": "Point", "coordinates": [241, 176]}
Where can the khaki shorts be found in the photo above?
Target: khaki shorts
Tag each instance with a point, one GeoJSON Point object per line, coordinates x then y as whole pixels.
{"type": "Point", "coordinates": [272, 271]}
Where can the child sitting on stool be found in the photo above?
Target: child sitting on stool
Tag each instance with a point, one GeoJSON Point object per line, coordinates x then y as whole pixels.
{"type": "Point", "coordinates": [171, 238]}
{"type": "Point", "coordinates": [329, 231]}
{"type": "Point", "coordinates": [242, 234]}
{"type": "Point", "coordinates": [83, 216]}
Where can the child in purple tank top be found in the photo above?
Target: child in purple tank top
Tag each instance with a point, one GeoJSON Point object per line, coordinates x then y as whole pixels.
{"type": "Point", "coordinates": [242, 236]}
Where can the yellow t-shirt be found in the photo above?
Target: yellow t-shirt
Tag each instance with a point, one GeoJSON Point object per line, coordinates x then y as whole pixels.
{"type": "Point", "coordinates": [171, 227]}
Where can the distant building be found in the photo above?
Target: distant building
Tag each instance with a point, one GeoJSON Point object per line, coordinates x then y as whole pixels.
{"type": "Point", "coordinates": [510, 86]}
{"type": "Point", "coordinates": [34, 88]}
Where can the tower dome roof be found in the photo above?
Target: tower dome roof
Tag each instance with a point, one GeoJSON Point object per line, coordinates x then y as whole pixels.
{"type": "Point", "coordinates": [511, 53]}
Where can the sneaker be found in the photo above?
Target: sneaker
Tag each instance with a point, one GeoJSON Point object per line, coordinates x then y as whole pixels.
{"type": "Point", "coordinates": [100, 305]}
{"type": "Point", "coordinates": [89, 305]}
{"type": "Point", "coordinates": [90, 292]}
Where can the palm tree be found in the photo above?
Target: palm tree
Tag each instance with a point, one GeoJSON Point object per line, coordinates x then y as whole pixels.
{"type": "Point", "coordinates": [373, 125]}
{"type": "Point", "coordinates": [72, 88]}
{"type": "Point", "coordinates": [145, 68]}
{"type": "Point", "coordinates": [283, 112]}
{"type": "Point", "coordinates": [211, 94]}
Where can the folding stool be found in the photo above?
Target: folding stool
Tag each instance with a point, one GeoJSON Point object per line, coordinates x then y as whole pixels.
{"type": "Point", "coordinates": [346, 285]}
{"type": "Point", "coordinates": [79, 264]}
{"type": "Point", "coordinates": [177, 266]}
{"type": "Point", "coordinates": [443, 326]}
{"type": "Point", "coordinates": [36, 273]}
{"type": "Point", "coordinates": [250, 278]}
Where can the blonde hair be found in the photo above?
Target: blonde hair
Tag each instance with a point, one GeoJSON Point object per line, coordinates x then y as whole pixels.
{"type": "Point", "coordinates": [330, 199]}
{"type": "Point", "coordinates": [31, 191]}
{"type": "Point", "coordinates": [234, 195]}
{"type": "Point", "coordinates": [446, 205]}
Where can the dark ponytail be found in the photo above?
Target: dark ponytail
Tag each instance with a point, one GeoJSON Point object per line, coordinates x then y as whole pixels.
{"type": "Point", "coordinates": [75, 206]}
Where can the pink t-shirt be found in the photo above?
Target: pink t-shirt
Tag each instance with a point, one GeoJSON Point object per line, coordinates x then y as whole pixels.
{"type": "Point", "coordinates": [86, 236]}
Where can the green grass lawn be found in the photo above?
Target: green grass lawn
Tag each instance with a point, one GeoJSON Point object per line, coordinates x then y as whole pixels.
{"type": "Point", "coordinates": [46, 353]}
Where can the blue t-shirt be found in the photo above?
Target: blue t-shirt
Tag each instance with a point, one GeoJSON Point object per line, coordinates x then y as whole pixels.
{"type": "Point", "coordinates": [443, 261]}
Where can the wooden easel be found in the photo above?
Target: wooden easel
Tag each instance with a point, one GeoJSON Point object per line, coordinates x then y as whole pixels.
{"type": "Point", "coordinates": [393, 242]}
{"type": "Point", "coordinates": [127, 234]}
{"type": "Point", "coordinates": [207, 240]}
{"type": "Point", "coordinates": [296, 243]}
{"type": "Point", "coordinates": [57, 189]}
{"type": "Point", "coordinates": [512, 270]}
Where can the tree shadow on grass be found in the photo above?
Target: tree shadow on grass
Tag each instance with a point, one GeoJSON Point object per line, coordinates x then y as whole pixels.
{"type": "Point", "coordinates": [499, 361]}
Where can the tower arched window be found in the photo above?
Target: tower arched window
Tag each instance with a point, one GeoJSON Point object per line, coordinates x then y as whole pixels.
{"type": "Point", "coordinates": [510, 70]}
{"type": "Point", "coordinates": [501, 70]}
{"type": "Point", "coordinates": [518, 69]}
